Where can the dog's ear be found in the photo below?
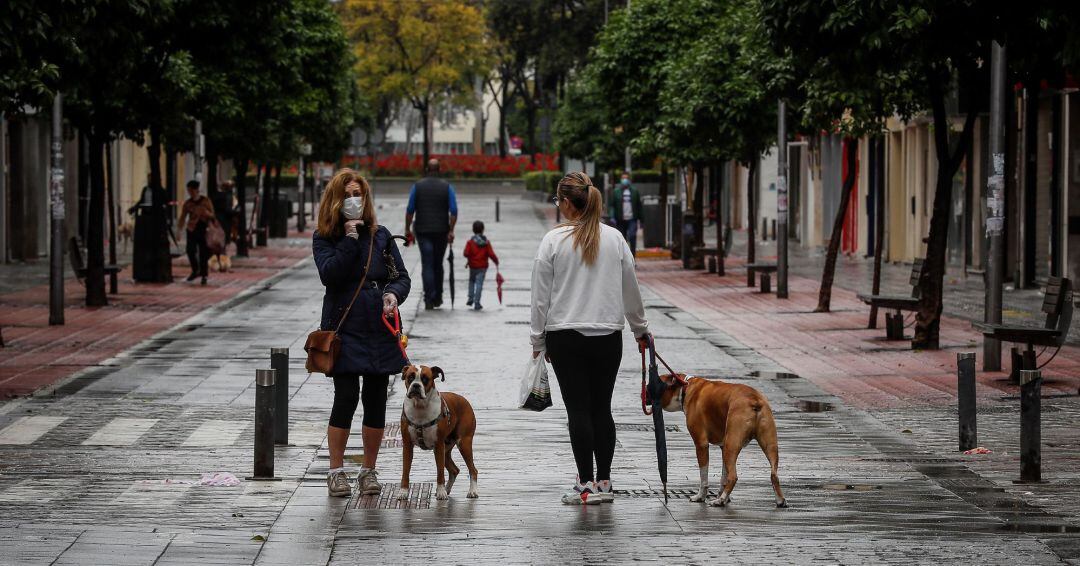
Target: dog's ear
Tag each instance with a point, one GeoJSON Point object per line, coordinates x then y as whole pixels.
{"type": "Point", "coordinates": [405, 372]}
{"type": "Point", "coordinates": [436, 370]}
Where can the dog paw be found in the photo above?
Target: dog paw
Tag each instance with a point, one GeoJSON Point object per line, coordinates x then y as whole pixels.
{"type": "Point", "coordinates": [697, 498]}
{"type": "Point", "coordinates": [473, 494]}
{"type": "Point", "coordinates": [782, 504]}
{"type": "Point", "coordinates": [441, 493]}
{"type": "Point", "coordinates": [403, 494]}
{"type": "Point", "coordinates": [718, 502]}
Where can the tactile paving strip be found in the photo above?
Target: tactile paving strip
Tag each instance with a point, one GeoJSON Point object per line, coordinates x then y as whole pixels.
{"type": "Point", "coordinates": [419, 498]}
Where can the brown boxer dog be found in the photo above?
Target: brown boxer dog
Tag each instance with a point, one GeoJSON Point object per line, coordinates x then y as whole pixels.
{"type": "Point", "coordinates": [435, 421]}
{"type": "Point", "coordinates": [729, 414]}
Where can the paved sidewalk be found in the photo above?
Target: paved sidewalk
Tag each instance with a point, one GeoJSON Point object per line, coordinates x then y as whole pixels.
{"type": "Point", "coordinates": [105, 471]}
{"type": "Point", "coordinates": [37, 355]}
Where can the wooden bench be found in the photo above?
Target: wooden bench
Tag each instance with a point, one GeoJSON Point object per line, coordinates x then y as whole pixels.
{"type": "Point", "coordinates": [79, 266]}
{"type": "Point", "coordinates": [894, 322]}
{"type": "Point", "coordinates": [764, 269]}
{"type": "Point", "coordinates": [1058, 308]}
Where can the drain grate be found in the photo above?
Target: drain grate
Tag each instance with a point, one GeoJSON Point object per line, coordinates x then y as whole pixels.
{"type": "Point", "coordinates": [672, 493]}
{"type": "Point", "coordinates": [640, 427]}
{"type": "Point", "coordinates": [808, 406]}
{"type": "Point", "coordinates": [419, 498]}
{"type": "Point", "coordinates": [518, 322]}
{"type": "Point", "coordinates": [849, 486]}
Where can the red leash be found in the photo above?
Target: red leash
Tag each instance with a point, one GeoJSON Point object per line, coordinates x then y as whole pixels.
{"type": "Point", "coordinates": [395, 329]}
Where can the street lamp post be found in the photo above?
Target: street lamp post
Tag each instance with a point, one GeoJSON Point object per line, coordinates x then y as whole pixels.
{"type": "Point", "coordinates": [995, 207]}
{"type": "Point", "coordinates": [56, 221]}
{"type": "Point", "coordinates": [781, 203]}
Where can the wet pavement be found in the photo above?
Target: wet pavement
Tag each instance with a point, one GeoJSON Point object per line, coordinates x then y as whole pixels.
{"type": "Point", "coordinates": [104, 469]}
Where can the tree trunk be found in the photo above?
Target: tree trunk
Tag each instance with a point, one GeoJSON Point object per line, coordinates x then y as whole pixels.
{"type": "Point", "coordinates": [502, 120]}
{"type": "Point", "coordinates": [751, 211]}
{"type": "Point", "coordinates": [699, 205]}
{"type": "Point", "coordinates": [664, 201]}
{"type": "Point", "coordinates": [211, 168]}
{"type": "Point", "coordinates": [153, 154]}
{"type": "Point", "coordinates": [877, 179]}
{"type": "Point", "coordinates": [111, 203]}
{"type": "Point", "coordinates": [241, 197]}
{"type": "Point", "coordinates": [425, 112]}
{"type": "Point", "coordinates": [825, 293]}
{"type": "Point", "coordinates": [276, 210]}
{"type": "Point", "coordinates": [928, 317]}
{"type": "Point", "coordinates": [95, 233]}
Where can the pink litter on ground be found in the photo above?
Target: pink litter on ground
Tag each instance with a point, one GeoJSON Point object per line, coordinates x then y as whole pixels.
{"type": "Point", "coordinates": [219, 479]}
{"type": "Point", "coordinates": [979, 450]}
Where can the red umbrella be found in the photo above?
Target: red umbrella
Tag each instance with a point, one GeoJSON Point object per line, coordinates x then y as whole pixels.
{"type": "Point", "coordinates": [498, 283]}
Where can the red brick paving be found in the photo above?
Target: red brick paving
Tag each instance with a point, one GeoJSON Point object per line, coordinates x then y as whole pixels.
{"type": "Point", "coordinates": [836, 350]}
{"type": "Point", "coordinates": [37, 355]}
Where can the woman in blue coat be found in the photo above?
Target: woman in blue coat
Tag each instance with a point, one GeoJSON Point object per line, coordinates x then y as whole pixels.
{"type": "Point", "coordinates": [347, 230]}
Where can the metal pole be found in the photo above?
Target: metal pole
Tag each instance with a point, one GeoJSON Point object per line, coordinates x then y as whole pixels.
{"type": "Point", "coordinates": [264, 423]}
{"type": "Point", "coordinates": [56, 222]}
{"type": "Point", "coordinates": [496, 209]}
{"type": "Point", "coordinates": [198, 153]}
{"type": "Point", "coordinates": [781, 231]}
{"type": "Point", "coordinates": [1030, 425]}
{"type": "Point", "coordinates": [300, 195]}
{"type": "Point", "coordinates": [965, 400]}
{"type": "Point", "coordinates": [995, 207]}
{"type": "Point", "coordinates": [279, 362]}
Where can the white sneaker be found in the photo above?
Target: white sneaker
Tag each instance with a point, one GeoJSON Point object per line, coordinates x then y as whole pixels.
{"type": "Point", "coordinates": [368, 482]}
{"type": "Point", "coordinates": [603, 491]}
{"type": "Point", "coordinates": [582, 494]}
{"type": "Point", "coordinates": [337, 484]}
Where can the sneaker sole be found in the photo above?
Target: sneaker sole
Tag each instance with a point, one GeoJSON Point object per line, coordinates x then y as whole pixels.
{"type": "Point", "coordinates": [340, 493]}
{"type": "Point", "coordinates": [371, 491]}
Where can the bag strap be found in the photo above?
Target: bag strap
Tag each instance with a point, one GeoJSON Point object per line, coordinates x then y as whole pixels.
{"type": "Point", "coordinates": [371, 246]}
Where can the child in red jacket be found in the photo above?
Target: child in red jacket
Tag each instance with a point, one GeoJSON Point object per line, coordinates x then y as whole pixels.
{"type": "Point", "coordinates": [477, 252]}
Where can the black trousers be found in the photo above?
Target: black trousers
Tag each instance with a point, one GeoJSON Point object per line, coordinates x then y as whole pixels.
{"type": "Point", "coordinates": [586, 367]}
{"type": "Point", "coordinates": [197, 252]}
{"type": "Point", "coordinates": [347, 395]}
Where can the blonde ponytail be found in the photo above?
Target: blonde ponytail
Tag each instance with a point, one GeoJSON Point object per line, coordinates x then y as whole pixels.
{"type": "Point", "coordinates": [578, 188]}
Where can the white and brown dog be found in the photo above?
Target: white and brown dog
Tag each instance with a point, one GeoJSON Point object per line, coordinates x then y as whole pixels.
{"type": "Point", "coordinates": [729, 414]}
{"type": "Point", "coordinates": [435, 421]}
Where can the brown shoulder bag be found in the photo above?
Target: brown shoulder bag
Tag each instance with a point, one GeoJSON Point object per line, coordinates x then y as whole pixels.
{"type": "Point", "coordinates": [322, 346]}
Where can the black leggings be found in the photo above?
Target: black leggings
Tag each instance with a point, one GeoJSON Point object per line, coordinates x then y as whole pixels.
{"type": "Point", "coordinates": [347, 395]}
{"type": "Point", "coordinates": [586, 367]}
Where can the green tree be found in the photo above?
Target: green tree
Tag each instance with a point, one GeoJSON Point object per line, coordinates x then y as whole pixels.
{"type": "Point", "coordinates": [425, 52]}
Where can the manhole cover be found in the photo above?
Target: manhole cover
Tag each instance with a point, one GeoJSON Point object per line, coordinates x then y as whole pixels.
{"type": "Point", "coordinates": [419, 498]}
{"type": "Point", "coordinates": [808, 406]}
{"type": "Point", "coordinates": [641, 427]}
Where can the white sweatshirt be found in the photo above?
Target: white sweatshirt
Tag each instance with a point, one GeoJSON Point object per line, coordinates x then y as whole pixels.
{"type": "Point", "coordinates": [592, 299]}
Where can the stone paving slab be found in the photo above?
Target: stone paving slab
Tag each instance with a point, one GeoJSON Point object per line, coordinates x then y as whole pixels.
{"type": "Point", "coordinates": [861, 490]}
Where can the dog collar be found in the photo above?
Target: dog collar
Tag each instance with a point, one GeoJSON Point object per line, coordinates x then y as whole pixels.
{"type": "Point", "coordinates": [444, 413]}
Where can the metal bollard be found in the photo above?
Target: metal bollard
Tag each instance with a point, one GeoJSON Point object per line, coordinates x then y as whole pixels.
{"type": "Point", "coordinates": [1030, 425]}
{"type": "Point", "coordinates": [264, 424]}
{"type": "Point", "coordinates": [496, 209]}
{"type": "Point", "coordinates": [279, 362]}
{"type": "Point", "coordinates": [965, 400]}
{"type": "Point", "coordinates": [774, 230]}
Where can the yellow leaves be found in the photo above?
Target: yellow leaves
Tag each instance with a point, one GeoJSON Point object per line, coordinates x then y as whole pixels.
{"type": "Point", "coordinates": [413, 49]}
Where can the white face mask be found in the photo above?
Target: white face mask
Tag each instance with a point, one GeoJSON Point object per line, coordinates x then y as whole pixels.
{"type": "Point", "coordinates": [353, 207]}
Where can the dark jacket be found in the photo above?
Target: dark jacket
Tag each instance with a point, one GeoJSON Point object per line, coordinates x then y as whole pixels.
{"type": "Point", "coordinates": [367, 347]}
{"type": "Point", "coordinates": [616, 202]}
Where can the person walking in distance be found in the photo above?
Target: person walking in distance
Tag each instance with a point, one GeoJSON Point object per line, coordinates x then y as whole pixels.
{"type": "Point", "coordinates": [478, 251]}
{"type": "Point", "coordinates": [197, 212]}
{"type": "Point", "coordinates": [625, 209]}
{"type": "Point", "coordinates": [351, 249]}
{"type": "Point", "coordinates": [433, 204]}
{"type": "Point", "coordinates": [584, 289]}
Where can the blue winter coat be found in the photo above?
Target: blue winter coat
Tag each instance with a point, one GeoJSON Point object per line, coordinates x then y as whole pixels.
{"type": "Point", "coordinates": [367, 347]}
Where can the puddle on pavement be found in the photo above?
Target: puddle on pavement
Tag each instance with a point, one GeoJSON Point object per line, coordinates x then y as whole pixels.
{"type": "Point", "coordinates": [773, 375]}
{"type": "Point", "coordinates": [809, 406]}
{"type": "Point", "coordinates": [1037, 528]}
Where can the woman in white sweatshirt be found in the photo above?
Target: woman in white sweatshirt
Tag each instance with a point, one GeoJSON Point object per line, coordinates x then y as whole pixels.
{"type": "Point", "coordinates": [583, 288]}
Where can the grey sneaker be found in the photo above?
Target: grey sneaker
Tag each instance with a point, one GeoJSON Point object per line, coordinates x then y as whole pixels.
{"type": "Point", "coordinates": [603, 491]}
{"type": "Point", "coordinates": [368, 482]}
{"type": "Point", "coordinates": [337, 484]}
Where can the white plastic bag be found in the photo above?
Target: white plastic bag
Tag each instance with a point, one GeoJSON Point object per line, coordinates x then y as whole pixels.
{"type": "Point", "coordinates": [535, 389]}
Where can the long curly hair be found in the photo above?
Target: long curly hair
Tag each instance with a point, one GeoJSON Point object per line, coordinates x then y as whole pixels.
{"type": "Point", "coordinates": [331, 221]}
